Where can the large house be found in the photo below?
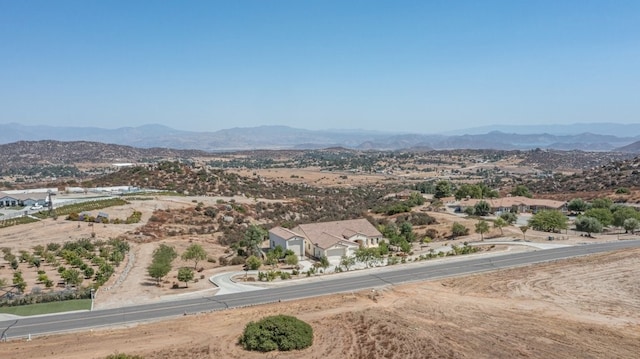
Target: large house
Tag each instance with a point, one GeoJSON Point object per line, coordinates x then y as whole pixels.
{"type": "Point", "coordinates": [519, 203]}
{"type": "Point", "coordinates": [12, 199]}
{"type": "Point", "coordinates": [326, 239]}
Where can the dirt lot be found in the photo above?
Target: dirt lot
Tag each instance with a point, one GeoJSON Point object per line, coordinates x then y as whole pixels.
{"type": "Point", "coordinates": [581, 308]}
{"type": "Point", "coordinates": [136, 286]}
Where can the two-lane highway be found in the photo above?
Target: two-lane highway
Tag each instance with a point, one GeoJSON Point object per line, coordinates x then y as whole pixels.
{"type": "Point", "coordinates": [39, 325]}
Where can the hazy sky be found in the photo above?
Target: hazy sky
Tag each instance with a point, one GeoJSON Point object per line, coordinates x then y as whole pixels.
{"type": "Point", "coordinates": [421, 66]}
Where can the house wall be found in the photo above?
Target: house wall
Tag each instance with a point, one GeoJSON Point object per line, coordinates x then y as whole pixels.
{"type": "Point", "coordinates": [29, 202]}
{"type": "Point", "coordinates": [295, 244]}
{"type": "Point", "coordinates": [8, 201]}
{"type": "Point", "coordinates": [334, 253]}
{"type": "Point", "coordinates": [366, 241]}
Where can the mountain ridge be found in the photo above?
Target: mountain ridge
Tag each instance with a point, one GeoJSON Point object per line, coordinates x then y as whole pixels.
{"type": "Point", "coordinates": [284, 137]}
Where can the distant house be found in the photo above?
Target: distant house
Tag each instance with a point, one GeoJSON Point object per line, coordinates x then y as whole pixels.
{"type": "Point", "coordinates": [22, 199]}
{"type": "Point", "coordinates": [519, 203]}
{"type": "Point", "coordinates": [8, 200]}
{"type": "Point", "coordinates": [404, 194]}
{"type": "Point", "coordinates": [329, 239]}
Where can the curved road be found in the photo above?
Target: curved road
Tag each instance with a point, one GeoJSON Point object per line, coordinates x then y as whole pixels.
{"type": "Point", "coordinates": [84, 320]}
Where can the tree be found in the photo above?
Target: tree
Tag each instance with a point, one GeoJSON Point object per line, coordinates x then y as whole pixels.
{"type": "Point", "coordinates": [466, 190]}
{"type": "Point", "coordinates": [116, 257]}
{"type": "Point", "coordinates": [622, 213]}
{"type": "Point", "coordinates": [458, 229]}
{"type": "Point", "coordinates": [347, 262]}
{"type": "Point", "coordinates": [18, 281]}
{"type": "Point", "coordinates": [601, 203]}
{"type": "Point", "coordinates": [158, 269]}
{"type": "Point", "coordinates": [406, 231]}
{"type": "Point", "coordinates": [521, 190]}
{"type": "Point", "coordinates": [631, 225]}
{"type": "Point", "coordinates": [194, 253]}
{"type": "Point", "coordinates": [577, 205]}
{"type": "Point", "coordinates": [368, 256]}
{"type": "Point", "coordinates": [500, 223]}
{"type": "Point", "coordinates": [588, 224]}
{"type": "Point", "coordinates": [253, 262]}
{"type": "Point", "coordinates": [185, 274]}
{"type": "Point", "coordinates": [509, 217]}
{"type": "Point", "coordinates": [416, 199]}
{"type": "Point", "coordinates": [280, 332]}
{"type": "Point", "coordinates": [524, 230]}
{"type": "Point", "coordinates": [88, 272]}
{"type": "Point", "coordinates": [36, 262]}
{"type": "Point", "coordinates": [253, 238]}
{"type": "Point", "coordinates": [603, 215]}
{"type": "Point", "coordinates": [425, 187]}
{"type": "Point", "coordinates": [443, 189]}
{"type": "Point", "coordinates": [488, 192]}
{"type": "Point", "coordinates": [42, 277]}
{"type": "Point", "coordinates": [383, 248]}
{"type": "Point", "coordinates": [482, 208]}
{"type": "Point", "coordinates": [71, 276]}
{"type": "Point", "coordinates": [482, 227]}
{"type": "Point", "coordinates": [161, 263]}
{"type": "Point", "coordinates": [165, 252]}
{"type": "Point", "coordinates": [548, 221]}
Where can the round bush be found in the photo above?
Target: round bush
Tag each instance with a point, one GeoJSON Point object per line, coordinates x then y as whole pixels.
{"type": "Point", "coordinates": [281, 332]}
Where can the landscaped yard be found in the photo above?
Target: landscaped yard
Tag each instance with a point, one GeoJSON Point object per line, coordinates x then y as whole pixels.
{"type": "Point", "coordinates": [47, 308]}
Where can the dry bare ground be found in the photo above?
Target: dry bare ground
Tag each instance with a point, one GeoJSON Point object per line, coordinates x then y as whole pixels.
{"type": "Point", "coordinates": [586, 307]}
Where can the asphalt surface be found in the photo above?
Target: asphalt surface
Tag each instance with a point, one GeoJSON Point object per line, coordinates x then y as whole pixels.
{"type": "Point", "coordinates": [85, 320]}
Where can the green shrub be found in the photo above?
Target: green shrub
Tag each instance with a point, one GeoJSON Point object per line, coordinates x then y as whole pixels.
{"type": "Point", "coordinates": [279, 332]}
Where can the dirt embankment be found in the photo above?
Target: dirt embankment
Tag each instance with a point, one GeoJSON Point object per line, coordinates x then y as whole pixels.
{"type": "Point", "coordinates": [579, 308]}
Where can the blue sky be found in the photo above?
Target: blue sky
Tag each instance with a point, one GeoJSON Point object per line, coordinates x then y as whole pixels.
{"type": "Point", "coordinates": [417, 66]}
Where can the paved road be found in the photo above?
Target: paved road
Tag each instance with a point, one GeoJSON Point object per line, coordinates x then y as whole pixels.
{"type": "Point", "coordinates": [76, 321]}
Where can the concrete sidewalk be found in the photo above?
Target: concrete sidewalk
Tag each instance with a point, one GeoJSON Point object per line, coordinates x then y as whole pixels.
{"type": "Point", "coordinates": [226, 285]}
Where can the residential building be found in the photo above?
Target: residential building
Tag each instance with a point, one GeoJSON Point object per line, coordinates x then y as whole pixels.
{"type": "Point", "coordinates": [518, 203]}
{"type": "Point", "coordinates": [328, 239]}
{"type": "Point", "coordinates": [22, 199]}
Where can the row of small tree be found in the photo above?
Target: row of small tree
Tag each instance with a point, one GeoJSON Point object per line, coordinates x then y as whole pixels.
{"type": "Point", "coordinates": [163, 257]}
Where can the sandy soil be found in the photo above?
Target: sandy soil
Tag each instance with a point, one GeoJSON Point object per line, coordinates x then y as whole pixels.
{"type": "Point", "coordinates": [586, 307]}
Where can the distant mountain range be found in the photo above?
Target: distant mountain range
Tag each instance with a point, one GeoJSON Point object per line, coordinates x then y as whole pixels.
{"type": "Point", "coordinates": [587, 137]}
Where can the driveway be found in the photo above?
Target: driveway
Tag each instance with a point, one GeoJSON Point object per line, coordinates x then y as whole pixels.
{"type": "Point", "coordinates": [227, 286]}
